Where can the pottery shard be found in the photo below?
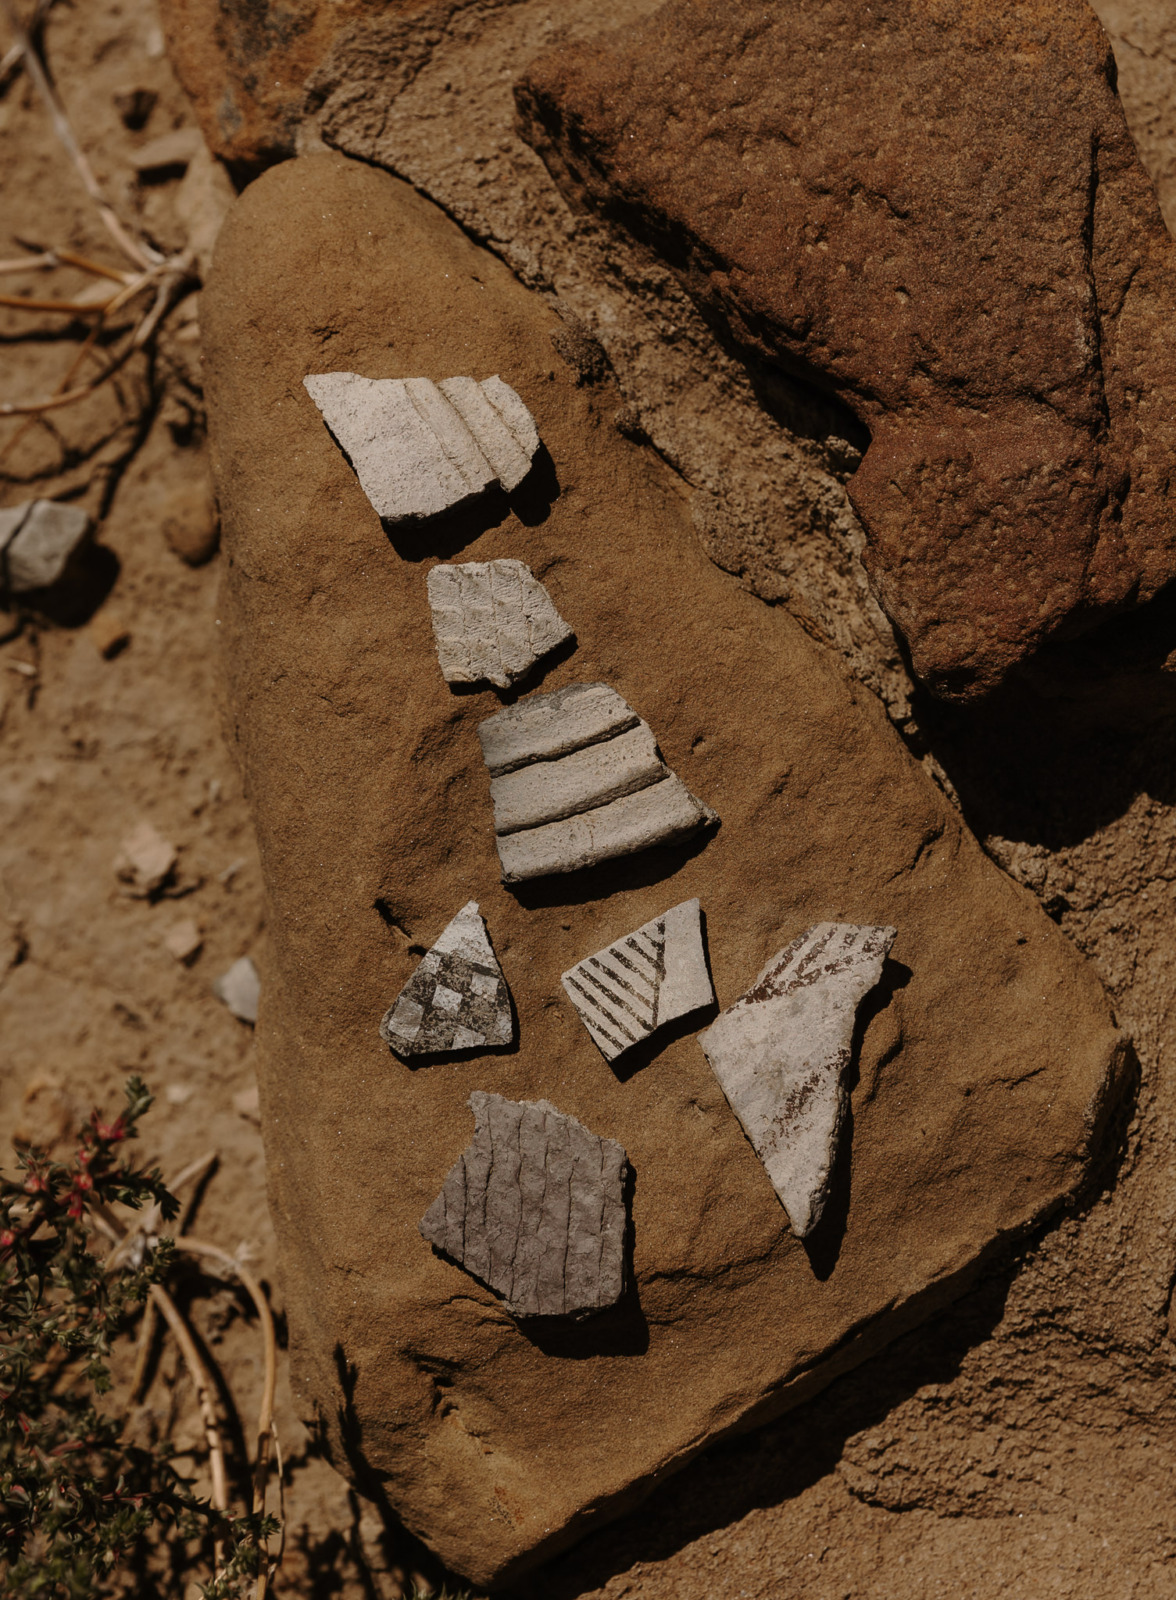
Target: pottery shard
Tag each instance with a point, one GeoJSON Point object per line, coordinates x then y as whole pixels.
{"type": "Point", "coordinates": [938, 213]}
{"type": "Point", "coordinates": [457, 998]}
{"type": "Point", "coordinates": [492, 620]}
{"type": "Point", "coordinates": [36, 542]}
{"type": "Point", "coordinates": [655, 976]}
{"type": "Point", "coordinates": [420, 448]}
{"type": "Point", "coordinates": [984, 1080]}
{"type": "Point", "coordinates": [535, 1209]}
{"type": "Point", "coordinates": [781, 1054]}
{"type": "Point", "coordinates": [576, 779]}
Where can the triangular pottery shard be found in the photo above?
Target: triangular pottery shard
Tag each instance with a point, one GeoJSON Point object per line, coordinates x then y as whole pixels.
{"type": "Point", "coordinates": [492, 620]}
{"type": "Point", "coordinates": [535, 1209]}
{"type": "Point", "coordinates": [576, 778]}
{"type": "Point", "coordinates": [457, 999]}
{"type": "Point", "coordinates": [420, 448]}
{"type": "Point", "coordinates": [781, 1052]}
{"type": "Point", "coordinates": [642, 982]}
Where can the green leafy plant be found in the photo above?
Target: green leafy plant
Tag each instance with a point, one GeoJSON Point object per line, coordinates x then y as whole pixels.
{"type": "Point", "coordinates": [81, 1507]}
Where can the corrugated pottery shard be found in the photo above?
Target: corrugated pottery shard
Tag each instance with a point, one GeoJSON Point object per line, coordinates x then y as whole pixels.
{"type": "Point", "coordinates": [492, 620]}
{"type": "Point", "coordinates": [576, 779]}
{"type": "Point", "coordinates": [626, 992]}
{"type": "Point", "coordinates": [420, 448]}
{"type": "Point", "coordinates": [535, 1209]}
{"type": "Point", "coordinates": [457, 999]}
{"type": "Point", "coordinates": [781, 1052]}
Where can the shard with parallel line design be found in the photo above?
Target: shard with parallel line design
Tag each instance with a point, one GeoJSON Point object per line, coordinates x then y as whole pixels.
{"type": "Point", "coordinates": [640, 984]}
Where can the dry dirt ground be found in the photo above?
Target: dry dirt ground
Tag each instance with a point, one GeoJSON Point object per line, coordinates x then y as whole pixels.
{"type": "Point", "coordinates": [1021, 1445]}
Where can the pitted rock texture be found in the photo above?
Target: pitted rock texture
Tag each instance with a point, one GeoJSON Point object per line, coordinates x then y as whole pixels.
{"type": "Point", "coordinates": [940, 215]}
{"type": "Point", "coordinates": [642, 982]}
{"type": "Point", "coordinates": [456, 1000]}
{"type": "Point", "coordinates": [421, 448]}
{"type": "Point", "coordinates": [576, 778]}
{"type": "Point", "coordinates": [782, 1051]}
{"type": "Point", "coordinates": [492, 620]}
{"type": "Point", "coordinates": [534, 1208]}
{"type": "Point", "coordinates": [983, 1078]}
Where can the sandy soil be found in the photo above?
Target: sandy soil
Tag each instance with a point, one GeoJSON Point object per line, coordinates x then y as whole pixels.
{"type": "Point", "coordinates": [1021, 1445]}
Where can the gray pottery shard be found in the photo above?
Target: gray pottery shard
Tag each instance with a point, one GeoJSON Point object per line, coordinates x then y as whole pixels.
{"type": "Point", "coordinates": [457, 998]}
{"type": "Point", "coordinates": [492, 620]}
{"type": "Point", "coordinates": [576, 779]}
{"type": "Point", "coordinates": [36, 542]}
{"type": "Point", "coordinates": [535, 1209]}
{"type": "Point", "coordinates": [420, 448]}
{"type": "Point", "coordinates": [781, 1052]}
{"type": "Point", "coordinates": [628, 991]}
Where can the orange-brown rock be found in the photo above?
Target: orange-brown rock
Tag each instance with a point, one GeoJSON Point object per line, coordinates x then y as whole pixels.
{"type": "Point", "coordinates": [936, 211]}
{"type": "Point", "coordinates": [984, 1062]}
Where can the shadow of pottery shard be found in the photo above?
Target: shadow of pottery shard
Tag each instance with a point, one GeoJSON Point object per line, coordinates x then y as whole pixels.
{"type": "Point", "coordinates": [576, 778]}
{"type": "Point", "coordinates": [781, 1053]}
{"type": "Point", "coordinates": [492, 620]}
{"type": "Point", "coordinates": [456, 999]}
{"type": "Point", "coordinates": [535, 1209]}
{"type": "Point", "coordinates": [643, 982]}
{"type": "Point", "coordinates": [36, 542]}
{"type": "Point", "coordinates": [937, 212]}
{"type": "Point", "coordinates": [420, 448]}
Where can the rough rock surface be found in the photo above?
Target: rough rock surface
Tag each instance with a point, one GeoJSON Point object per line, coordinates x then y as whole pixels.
{"type": "Point", "coordinates": [457, 999]}
{"type": "Point", "coordinates": [534, 1208]}
{"type": "Point", "coordinates": [642, 982]}
{"type": "Point", "coordinates": [782, 1052]}
{"type": "Point", "coordinates": [984, 1075]}
{"type": "Point", "coordinates": [492, 620]}
{"type": "Point", "coordinates": [942, 217]}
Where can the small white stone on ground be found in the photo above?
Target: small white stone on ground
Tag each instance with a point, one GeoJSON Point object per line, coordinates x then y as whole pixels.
{"type": "Point", "coordinates": [247, 1104]}
{"type": "Point", "coordinates": [576, 779]}
{"type": "Point", "coordinates": [642, 982]}
{"type": "Point", "coordinates": [492, 620]}
{"type": "Point", "coordinates": [36, 542]}
{"type": "Point", "coordinates": [184, 941]}
{"type": "Point", "coordinates": [781, 1053]}
{"type": "Point", "coordinates": [145, 862]}
{"type": "Point", "coordinates": [457, 998]}
{"type": "Point", "coordinates": [240, 989]}
{"type": "Point", "coordinates": [420, 448]}
{"type": "Point", "coordinates": [535, 1209]}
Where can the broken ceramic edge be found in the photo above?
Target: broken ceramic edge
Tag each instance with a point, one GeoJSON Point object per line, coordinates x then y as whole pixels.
{"type": "Point", "coordinates": [240, 989]}
{"type": "Point", "coordinates": [641, 983]}
{"type": "Point", "coordinates": [37, 540]}
{"type": "Point", "coordinates": [781, 1053]}
{"type": "Point", "coordinates": [456, 1000]}
{"type": "Point", "coordinates": [535, 1208]}
{"type": "Point", "coordinates": [492, 621]}
{"type": "Point", "coordinates": [576, 778]}
{"type": "Point", "coordinates": [421, 448]}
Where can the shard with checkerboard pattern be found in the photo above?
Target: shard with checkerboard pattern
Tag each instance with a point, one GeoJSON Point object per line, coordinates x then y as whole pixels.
{"type": "Point", "coordinates": [457, 998]}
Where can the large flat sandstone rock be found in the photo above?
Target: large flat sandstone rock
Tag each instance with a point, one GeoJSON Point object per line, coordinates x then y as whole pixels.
{"type": "Point", "coordinates": [936, 211]}
{"type": "Point", "coordinates": [985, 1059]}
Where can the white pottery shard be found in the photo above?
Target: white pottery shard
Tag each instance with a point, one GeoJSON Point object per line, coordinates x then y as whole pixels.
{"type": "Point", "coordinates": [781, 1051]}
{"type": "Point", "coordinates": [36, 542]}
{"type": "Point", "coordinates": [457, 998]}
{"type": "Point", "coordinates": [492, 620]}
{"type": "Point", "coordinates": [535, 1209]}
{"type": "Point", "coordinates": [419, 447]}
{"type": "Point", "coordinates": [576, 778]}
{"type": "Point", "coordinates": [240, 989]}
{"type": "Point", "coordinates": [643, 982]}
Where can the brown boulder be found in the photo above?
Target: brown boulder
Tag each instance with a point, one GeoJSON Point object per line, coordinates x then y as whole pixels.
{"type": "Point", "coordinates": [985, 1062]}
{"type": "Point", "coordinates": [938, 213]}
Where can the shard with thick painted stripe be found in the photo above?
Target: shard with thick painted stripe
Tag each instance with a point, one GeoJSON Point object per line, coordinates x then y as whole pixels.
{"type": "Point", "coordinates": [782, 1050]}
{"type": "Point", "coordinates": [492, 621]}
{"type": "Point", "coordinates": [535, 1209]}
{"type": "Point", "coordinates": [420, 448]}
{"type": "Point", "coordinates": [457, 998]}
{"type": "Point", "coordinates": [576, 778]}
{"type": "Point", "coordinates": [643, 982]}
